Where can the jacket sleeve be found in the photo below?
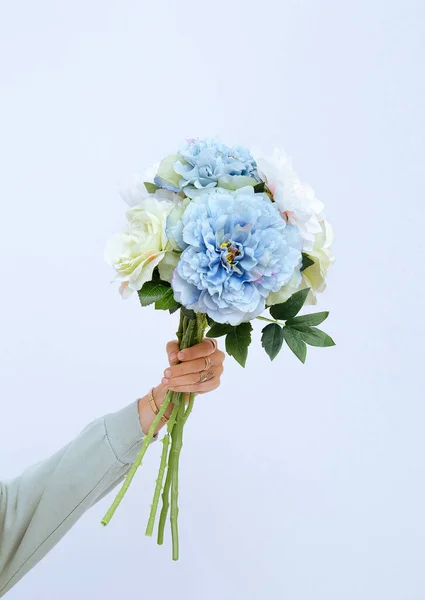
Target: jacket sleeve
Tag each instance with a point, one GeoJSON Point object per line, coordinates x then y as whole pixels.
{"type": "Point", "coordinates": [40, 506]}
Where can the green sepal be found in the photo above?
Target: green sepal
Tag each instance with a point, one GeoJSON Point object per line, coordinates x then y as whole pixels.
{"type": "Point", "coordinates": [308, 320]}
{"type": "Point", "coordinates": [189, 314]}
{"type": "Point", "coordinates": [260, 188]}
{"type": "Point", "coordinates": [174, 308]}
{"type": "Point", "coordinates": [272, 339]}
{"type": "Point", "coordinates": [237, 342]}
{"type": "Point", "coordinates": [150, 187]}
{"type": "Point", "coordinates": [294, 339]}
{"type": "Point", "coordinates": [292, 306]}
{"type": "Point", "coordinates": [263, 188]}
{"type": "Point", "coordinates": [307, 261]}
{"type": "Point", "coordinates": [153, 291]}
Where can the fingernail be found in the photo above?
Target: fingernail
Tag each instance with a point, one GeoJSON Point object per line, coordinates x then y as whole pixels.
{"type": "Point", "coordinates": [164, 380]}
{"type": "Point", "coordinates": [168, 373]}
{"type": "Point", "coordinates": [180, 356]}
{"type": "Point", "coordinates": [173, 356]}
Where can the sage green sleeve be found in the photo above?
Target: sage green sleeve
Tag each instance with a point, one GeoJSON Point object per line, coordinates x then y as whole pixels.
{"type": "Point", "coordinates": [40, 506]}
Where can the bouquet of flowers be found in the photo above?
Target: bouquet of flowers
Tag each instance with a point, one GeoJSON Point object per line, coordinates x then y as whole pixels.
{"type": "Point", "coordinates": [221, 238]}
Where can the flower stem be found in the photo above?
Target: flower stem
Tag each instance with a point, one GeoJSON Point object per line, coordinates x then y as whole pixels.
{"type": "Point", "coordinates": [131, 473]}
{"type": "Point", "coordinates": [175, 451]}
{"type": "Point", "coordinates": [268, 320]}
{"type": "Point", "coordinates": [161, 472]}
{"type": "Point", "coordinates": [191, 331]}
{"type": "Point", "coordinates": [158, 487]}
{"type": "Point", "coordinates": [167, 485]}
{"type": "Point", "coordinates": [189, 407]}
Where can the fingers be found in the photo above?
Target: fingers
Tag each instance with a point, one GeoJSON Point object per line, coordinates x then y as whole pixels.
{"type": "Point", "coordinates": [184, 376]}
{"type": "Point", "coordinates": [190, 380]}
{"type": "Point", "coordinates": [172, 351]}
{"type": "Point", "coordinates": [199, 388]}
{"type": "Point", "coordinates": [205, 348]}
{"type": "Point", "coordinates": [195, 366]}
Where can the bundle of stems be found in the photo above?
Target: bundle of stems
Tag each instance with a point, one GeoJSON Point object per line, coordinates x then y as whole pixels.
{"type": "Point", "coordinates": [191, 331]}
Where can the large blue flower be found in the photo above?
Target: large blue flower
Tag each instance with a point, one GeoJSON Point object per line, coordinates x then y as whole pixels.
{"type": "Point", "coordinates": [236, 250]}
{"type": "Point", "coordinates": [207, 163]}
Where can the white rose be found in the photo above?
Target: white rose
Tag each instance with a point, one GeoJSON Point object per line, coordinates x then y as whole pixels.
{"type": "Point", "coordinates": [141, 247]}
{"type": "Point", "coordinates": [296, 201]}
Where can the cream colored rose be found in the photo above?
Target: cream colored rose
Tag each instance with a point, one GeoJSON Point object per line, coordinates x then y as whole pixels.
{"type": "Point", "coordinates": [314, 276]}
{"type": "Point", "coordinates": [142, 246]}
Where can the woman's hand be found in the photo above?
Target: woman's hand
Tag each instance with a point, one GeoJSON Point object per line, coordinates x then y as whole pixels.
{"type": "Point", "coordinates": [197, 369]}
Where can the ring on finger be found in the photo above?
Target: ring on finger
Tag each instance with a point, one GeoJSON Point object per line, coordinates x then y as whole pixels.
{"type": "Point", "coordinates": [214, 343]}
{"type": "Point", "coordinates": [204, 376]}
{"type": "Point", "coordinates": [207, 362]}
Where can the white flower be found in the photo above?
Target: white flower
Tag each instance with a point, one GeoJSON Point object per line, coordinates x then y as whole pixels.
{"type": "Point", "coordinates": [142, 246]}
{"type": "Point", "coordinates": [134, 190]}
{"type": "Point", "coordinates": [296, 201]}
{"type": "Point", "coordinates": [313, 276]}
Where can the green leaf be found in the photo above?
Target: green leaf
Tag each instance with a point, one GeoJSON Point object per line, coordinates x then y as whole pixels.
{"type": "Point", "coordinates": [150, 187]}
{"type": "Point", "coordinates": [308, 320]}
{"type": "Point", "coordinates": [260, 187]}
{"type": "Point", "coordinates": [272, 339]}
{"type": "Point", "coordinates": [167, 301]}
{"type": "Point", "coordinates": [237, 342]}
{"type": "Point", "coordinates": [174, 308]}
{"type": "Point", "coordinates": [296, 343]}
{"type": "Point", "coordinates": [291, 307]}
{"type": "Point", "coordinates": [306, 261]}
{"type": "Point", "coordinates": [316, 337]}
{"type": "Point", "coordinates": [152, 291]}
{"type": "Point", "coordinates": [219, 329]}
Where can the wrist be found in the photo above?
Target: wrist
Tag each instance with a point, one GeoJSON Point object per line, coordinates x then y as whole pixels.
{"type": "Point", "coordinates": [146, 414]}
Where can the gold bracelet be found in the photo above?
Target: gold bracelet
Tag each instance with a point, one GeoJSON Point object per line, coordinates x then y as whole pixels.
{"type": "Point", "coordinates": [154, 407]}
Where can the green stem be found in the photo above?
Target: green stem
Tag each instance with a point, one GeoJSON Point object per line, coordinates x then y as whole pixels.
{"type": "Point", "coordinates": [167, 485]}
{"type": "Point", "coordinates": [158, 487]}
{"type": "Point", "coordinates": [189, 407]}
{"type": "Point", "coordinates": [131, 473]}
{"type": "Point", "coordinates": [161, 473]}
{"type": "Point", "coordinates": [175, 451]}
{"type": "Point", "coordinates": [191, 332]}
{"type": "Point", "coordinates": [268, 320]}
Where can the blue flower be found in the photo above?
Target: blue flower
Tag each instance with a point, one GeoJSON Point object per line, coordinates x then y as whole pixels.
{"type": "Point", "coordinates": [236, 250]}
{"type": "Point", "coordinates": [207, 163]}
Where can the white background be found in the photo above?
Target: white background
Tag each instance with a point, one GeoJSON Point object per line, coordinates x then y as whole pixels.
{"type": "Point", "coordinates": [298, 482]}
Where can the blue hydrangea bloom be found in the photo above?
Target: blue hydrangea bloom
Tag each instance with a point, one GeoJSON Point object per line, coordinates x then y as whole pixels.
{"type": "Point", "coordinates": [205, 161]}
{"type": "Point", "coordinates": [236, 250]}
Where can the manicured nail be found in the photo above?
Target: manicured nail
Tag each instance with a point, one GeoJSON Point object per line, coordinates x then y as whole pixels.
{"type": "Point", "coordinates": [180, 356]}
{"type": "Point", "coordinates": [168, 373]}
{"type": "Point", "coordinates": [173, 356]}
{"type": "Point", "coordinates": [164, 380]}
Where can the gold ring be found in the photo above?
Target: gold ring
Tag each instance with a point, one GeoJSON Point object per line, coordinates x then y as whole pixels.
{"type": "Point", "coordinates": [207, 362]}
{"type": "Point", "coordinates": [214, 343]}
{"type": "Point", "coordinates": [203, 375]}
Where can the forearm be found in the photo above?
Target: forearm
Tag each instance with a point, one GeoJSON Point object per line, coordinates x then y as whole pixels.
{"type": "Point", "coordinates": [40, 506]}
